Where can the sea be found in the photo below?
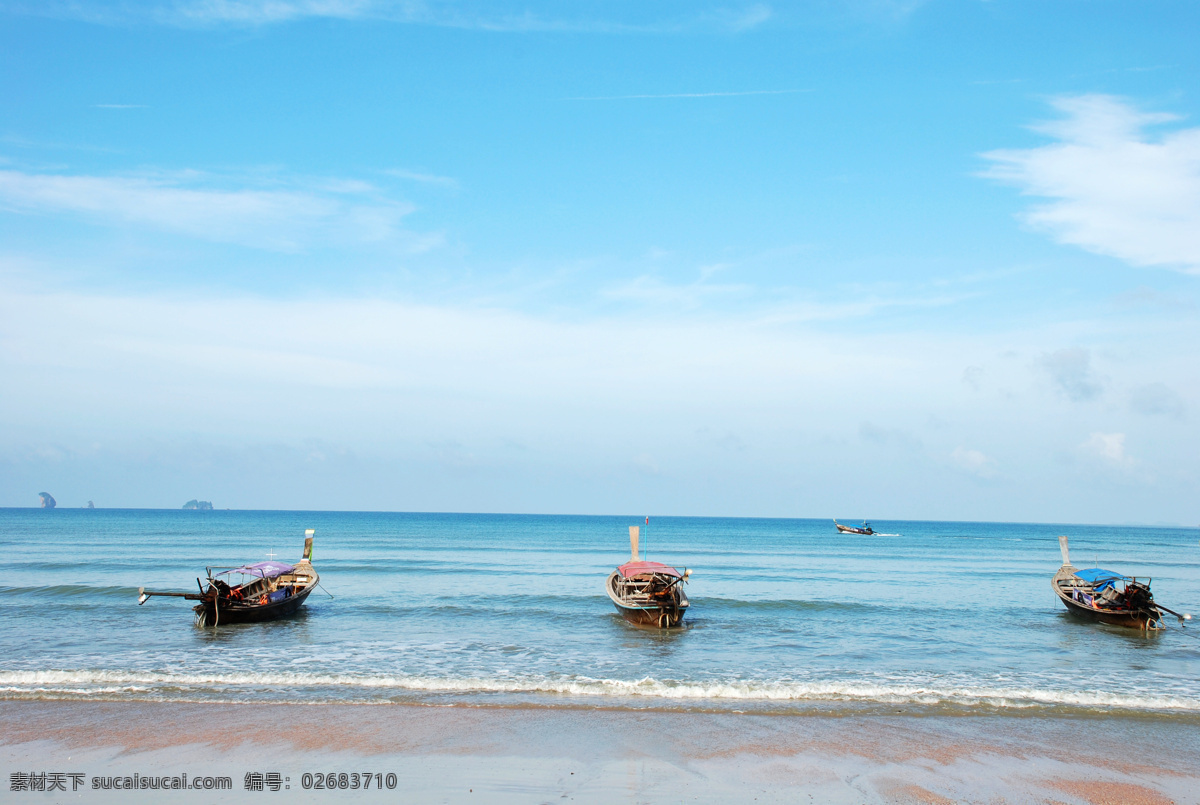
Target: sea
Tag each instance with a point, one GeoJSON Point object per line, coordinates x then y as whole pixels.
{"type": "Point", "coordinates": [787, 615]}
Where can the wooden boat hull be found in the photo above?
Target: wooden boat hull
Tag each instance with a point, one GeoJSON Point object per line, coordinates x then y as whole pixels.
{"type": "Point", "coordinates": [1121, 617]}
{"type": "Point", "coordinates": [668, 615]}
{"type": "Point", "coordinates": [224, 612]}
{"type": "Point", "coordinates": [851, 529]}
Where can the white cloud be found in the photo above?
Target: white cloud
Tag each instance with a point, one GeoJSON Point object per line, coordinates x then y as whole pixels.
{"type": "Point", "coordinates": [1071, 371]}
{"type": "Point", "coordinates": [645, 464]}
{"type": "Point", "coordinates": [403, 366]}
{"type": "Point", "coordinates": [400, 384]}
{"type": "Point", "coordinates": [1113, 188]}
{"type": "Point", "coordinates": [1109, 448]}
{"type": "Point", "coordinates": [974, 462]}
{"type": "Point", "coordinates": [285, 219]}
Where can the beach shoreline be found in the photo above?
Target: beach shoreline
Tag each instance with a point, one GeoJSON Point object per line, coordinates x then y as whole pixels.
{"type": "Point", "coordinates": [456, 754]}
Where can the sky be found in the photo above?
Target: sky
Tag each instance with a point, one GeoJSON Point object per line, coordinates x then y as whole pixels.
{"type": "Point", "coordinates": [884, 259]}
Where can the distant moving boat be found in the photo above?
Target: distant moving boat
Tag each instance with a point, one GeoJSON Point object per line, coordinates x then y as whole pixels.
{"type": "Point", "coordinates": [262, 591]}
{"type": "Point", "coordinates": [1108, 597]}
{"type": "Point", "coordinates": [853, 529]}
{"type": "Point", "coordinates": [648, 593]}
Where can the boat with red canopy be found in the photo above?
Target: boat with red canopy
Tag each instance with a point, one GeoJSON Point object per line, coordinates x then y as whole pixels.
{"type": "Point", "coordinates": [648, 593]}
{"type": "Point", "coordinates": [262, 591]}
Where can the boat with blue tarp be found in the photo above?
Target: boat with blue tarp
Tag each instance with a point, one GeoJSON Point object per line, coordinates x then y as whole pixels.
{"type": "Point", "coordinates": [261, 591]}
{"type": "Point", "coordinates": [1108, 596]}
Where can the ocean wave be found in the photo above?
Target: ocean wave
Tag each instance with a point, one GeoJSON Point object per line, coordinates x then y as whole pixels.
{"type": "Point", "coordinates": [787, 605]}
{"type": "Point", "coordinates": [157, 684]}
{"type": "Point", "coordinates": [70, 591]}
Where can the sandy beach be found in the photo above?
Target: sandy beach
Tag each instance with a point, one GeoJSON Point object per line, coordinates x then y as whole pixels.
{"type": "Point", "coordinates": [535, 754]}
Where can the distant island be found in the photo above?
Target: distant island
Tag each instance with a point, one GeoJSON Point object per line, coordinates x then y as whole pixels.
{"type": "Point", "coordinates": [195, 504]}
{"type": "Point", "coordinates": [48, 501]}
{"type": "Point", "coordinates": [90, 505]}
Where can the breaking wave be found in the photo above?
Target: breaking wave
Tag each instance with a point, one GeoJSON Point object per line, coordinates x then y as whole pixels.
{"type": "Point", "coordinates": [325, 688]}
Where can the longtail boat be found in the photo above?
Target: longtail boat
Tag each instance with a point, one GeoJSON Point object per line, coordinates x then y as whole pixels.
{"type": "Point", "coordinates": [648, 593]}
{"type": "Point", "coordinates": [853, 529]}
{"type": "Point", "coordinates": [1108, 597]}
{"type": "Point", "coordinates": [262, 591]}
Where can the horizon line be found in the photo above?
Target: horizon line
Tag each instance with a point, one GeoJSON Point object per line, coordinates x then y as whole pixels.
{"type": "Point", "coordinates": [1130, 524]}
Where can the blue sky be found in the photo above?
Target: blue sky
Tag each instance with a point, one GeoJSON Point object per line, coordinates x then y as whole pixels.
{"type": "Point", "coordinates": [852, 258]}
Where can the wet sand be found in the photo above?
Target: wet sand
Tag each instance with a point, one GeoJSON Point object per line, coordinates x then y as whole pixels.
{"type": "Point", "coordinates": [531, 754]}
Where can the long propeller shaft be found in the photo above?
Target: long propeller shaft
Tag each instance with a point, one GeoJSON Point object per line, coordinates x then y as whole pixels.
{"type": "Point", "coordinates": [1182, 617]}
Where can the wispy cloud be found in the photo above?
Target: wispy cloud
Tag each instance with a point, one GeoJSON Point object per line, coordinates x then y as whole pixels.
{"type": "Point", "coordinates": [423, 178]}
{"type": "Point", "coordinates": [863, 305]}
{"type": "Point", "coordinates": [1146, 297]}
{"type": "Point", "coordinates": [1114, 189]}
{"type": "Point", "coordinates": [287, 219]}
{"type": "Point", "coordinates": [689, 95]}
{"type": "Point", "coordinates": [260, 12]}
{"type": "Point", "coordinates": [1157, 399]}
{"type": "Point", "coordinates": [446, 13]}
{"type": "Point", "coordinates": [768, 306]}
{"type": "Point", "coordinates": [972, 375]}
{"type": "Point", "coordinates": [498, 17]}
{"type": "Point", "coordinates": [648, 289]}
{"type": "Point", "coordinates": [745, 19]}
{"type": "Point", "coordinates": [425, 353]}
{"type": "Point", "coordinates": [1116, 70]}
{"type": "Point", "coordinates": [1071, 372]}
{"type": "Point", "coordinates": [878, 435]}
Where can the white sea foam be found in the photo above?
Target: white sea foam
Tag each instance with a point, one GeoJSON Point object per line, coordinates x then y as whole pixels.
{"type": "Point", "coordinates": [303, 686]}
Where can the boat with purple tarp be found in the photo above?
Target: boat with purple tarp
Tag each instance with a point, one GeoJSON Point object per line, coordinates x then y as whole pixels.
{"type": "Point", "coordinates": [262, 591]}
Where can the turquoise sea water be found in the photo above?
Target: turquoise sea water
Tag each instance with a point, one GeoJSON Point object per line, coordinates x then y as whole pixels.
{"type": "Point", "coordinates": [786, 616]}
